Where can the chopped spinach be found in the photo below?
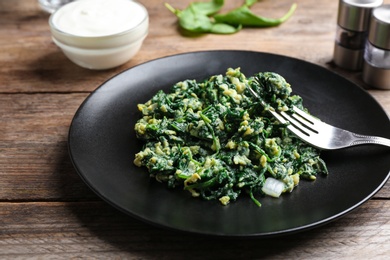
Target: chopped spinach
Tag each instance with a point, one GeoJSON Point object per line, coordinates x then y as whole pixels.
{"type": "Point", "coordinates": [215, 140]}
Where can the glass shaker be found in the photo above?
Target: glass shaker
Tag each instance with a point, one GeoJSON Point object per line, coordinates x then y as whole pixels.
{"type": "Point", "coordinates": [353, 22]}
{"type": "Point", "coordinates": [51, 6]}
{"type": "Point", "coordinates": [376, 71]}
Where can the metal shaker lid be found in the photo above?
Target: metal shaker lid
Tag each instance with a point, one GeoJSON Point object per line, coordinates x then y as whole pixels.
{"type": "Point", "coordinates": [379, 34]}
{"type": "Point", "coordinates": [355, 15]}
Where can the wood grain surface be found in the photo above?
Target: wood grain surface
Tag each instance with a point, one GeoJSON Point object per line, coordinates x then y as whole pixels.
{"type": "Point", "coordinates": [47, 212]}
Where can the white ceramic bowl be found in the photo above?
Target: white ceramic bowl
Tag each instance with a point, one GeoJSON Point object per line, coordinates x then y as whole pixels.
{"type": "Point", "coordinates": [100, 51]}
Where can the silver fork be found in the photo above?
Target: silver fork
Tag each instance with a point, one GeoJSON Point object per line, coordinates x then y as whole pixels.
{"type": "Point", "coordinates": [319, 134]}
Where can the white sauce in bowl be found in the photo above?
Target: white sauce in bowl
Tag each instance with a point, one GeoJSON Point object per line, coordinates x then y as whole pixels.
{"type": "Point", "coordinates": [94, 18]}
{"type": "Point", "coordinates": [100, 34]}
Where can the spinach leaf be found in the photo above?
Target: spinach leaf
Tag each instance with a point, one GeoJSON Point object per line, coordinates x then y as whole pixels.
{"type": "Point", "coordinates": [223, 28]}
{"type": "Point", "coordinates": [203, 17]}
{"type": "Point", "coordinates": [245, 17]}
{"type": "Point", "coordinates": [196, 18]}
{"type": "Point", "coordinates": [208, 8]}
{"type": "Point", "coordinates": [205, 8]}
{"type": "Point", "coordinates": [195, 21]}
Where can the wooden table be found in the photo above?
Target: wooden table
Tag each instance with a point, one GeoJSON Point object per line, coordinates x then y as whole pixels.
{"type": "Point", "coordinates": [46, 211]}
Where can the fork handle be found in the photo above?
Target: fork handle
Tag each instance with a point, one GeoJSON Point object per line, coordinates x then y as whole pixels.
{"type": "Point", "coordinates": [366, 139]}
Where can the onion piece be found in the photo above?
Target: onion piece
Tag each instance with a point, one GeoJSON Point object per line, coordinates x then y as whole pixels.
{"type": "Point", "coordinates": [273, 187]}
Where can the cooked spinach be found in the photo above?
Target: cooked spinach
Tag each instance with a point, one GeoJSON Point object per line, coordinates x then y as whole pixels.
{"type": "Point", "coordinates": [214, 139]}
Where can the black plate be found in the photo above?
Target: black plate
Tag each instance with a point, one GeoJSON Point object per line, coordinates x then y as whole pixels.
{"type": "Point", "coordinates": [102, 145]}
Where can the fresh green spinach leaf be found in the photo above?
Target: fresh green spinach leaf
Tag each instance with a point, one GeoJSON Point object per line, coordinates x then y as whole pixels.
{"type": "Point", "coordinates": [203, 17]}
{"type": "Point", "coordinates": [245, 17]}
{"type": "Point", "coordinates": [223, 28]}
{"type": "Point", "coordinates": [208, 8]}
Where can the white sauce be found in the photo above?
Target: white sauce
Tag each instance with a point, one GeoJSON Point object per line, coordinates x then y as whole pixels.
{"type": "Point", "coordinates": [98, 17]}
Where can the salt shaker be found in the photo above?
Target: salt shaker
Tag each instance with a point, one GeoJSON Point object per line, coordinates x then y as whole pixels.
{"type": "Point", "coordinates": [353, 22]}
{"type": "Point", "coordinates": [376, 71]}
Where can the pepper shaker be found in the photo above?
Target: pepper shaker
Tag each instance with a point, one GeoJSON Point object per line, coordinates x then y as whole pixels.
{"type": "Point", "coordinates": [376, 71]}
{"type": "Point", "coordinates": [353, 22]}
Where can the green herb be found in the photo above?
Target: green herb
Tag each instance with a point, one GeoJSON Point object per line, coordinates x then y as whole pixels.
{"type": "Point", "coordinates": [203, 17]}
{"type": "Point", "coordinates": [196, 18]}
{"type": "Point", "coordinates": [215, 140]}
{"type": "Point", "coordinates": [245, 17]}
